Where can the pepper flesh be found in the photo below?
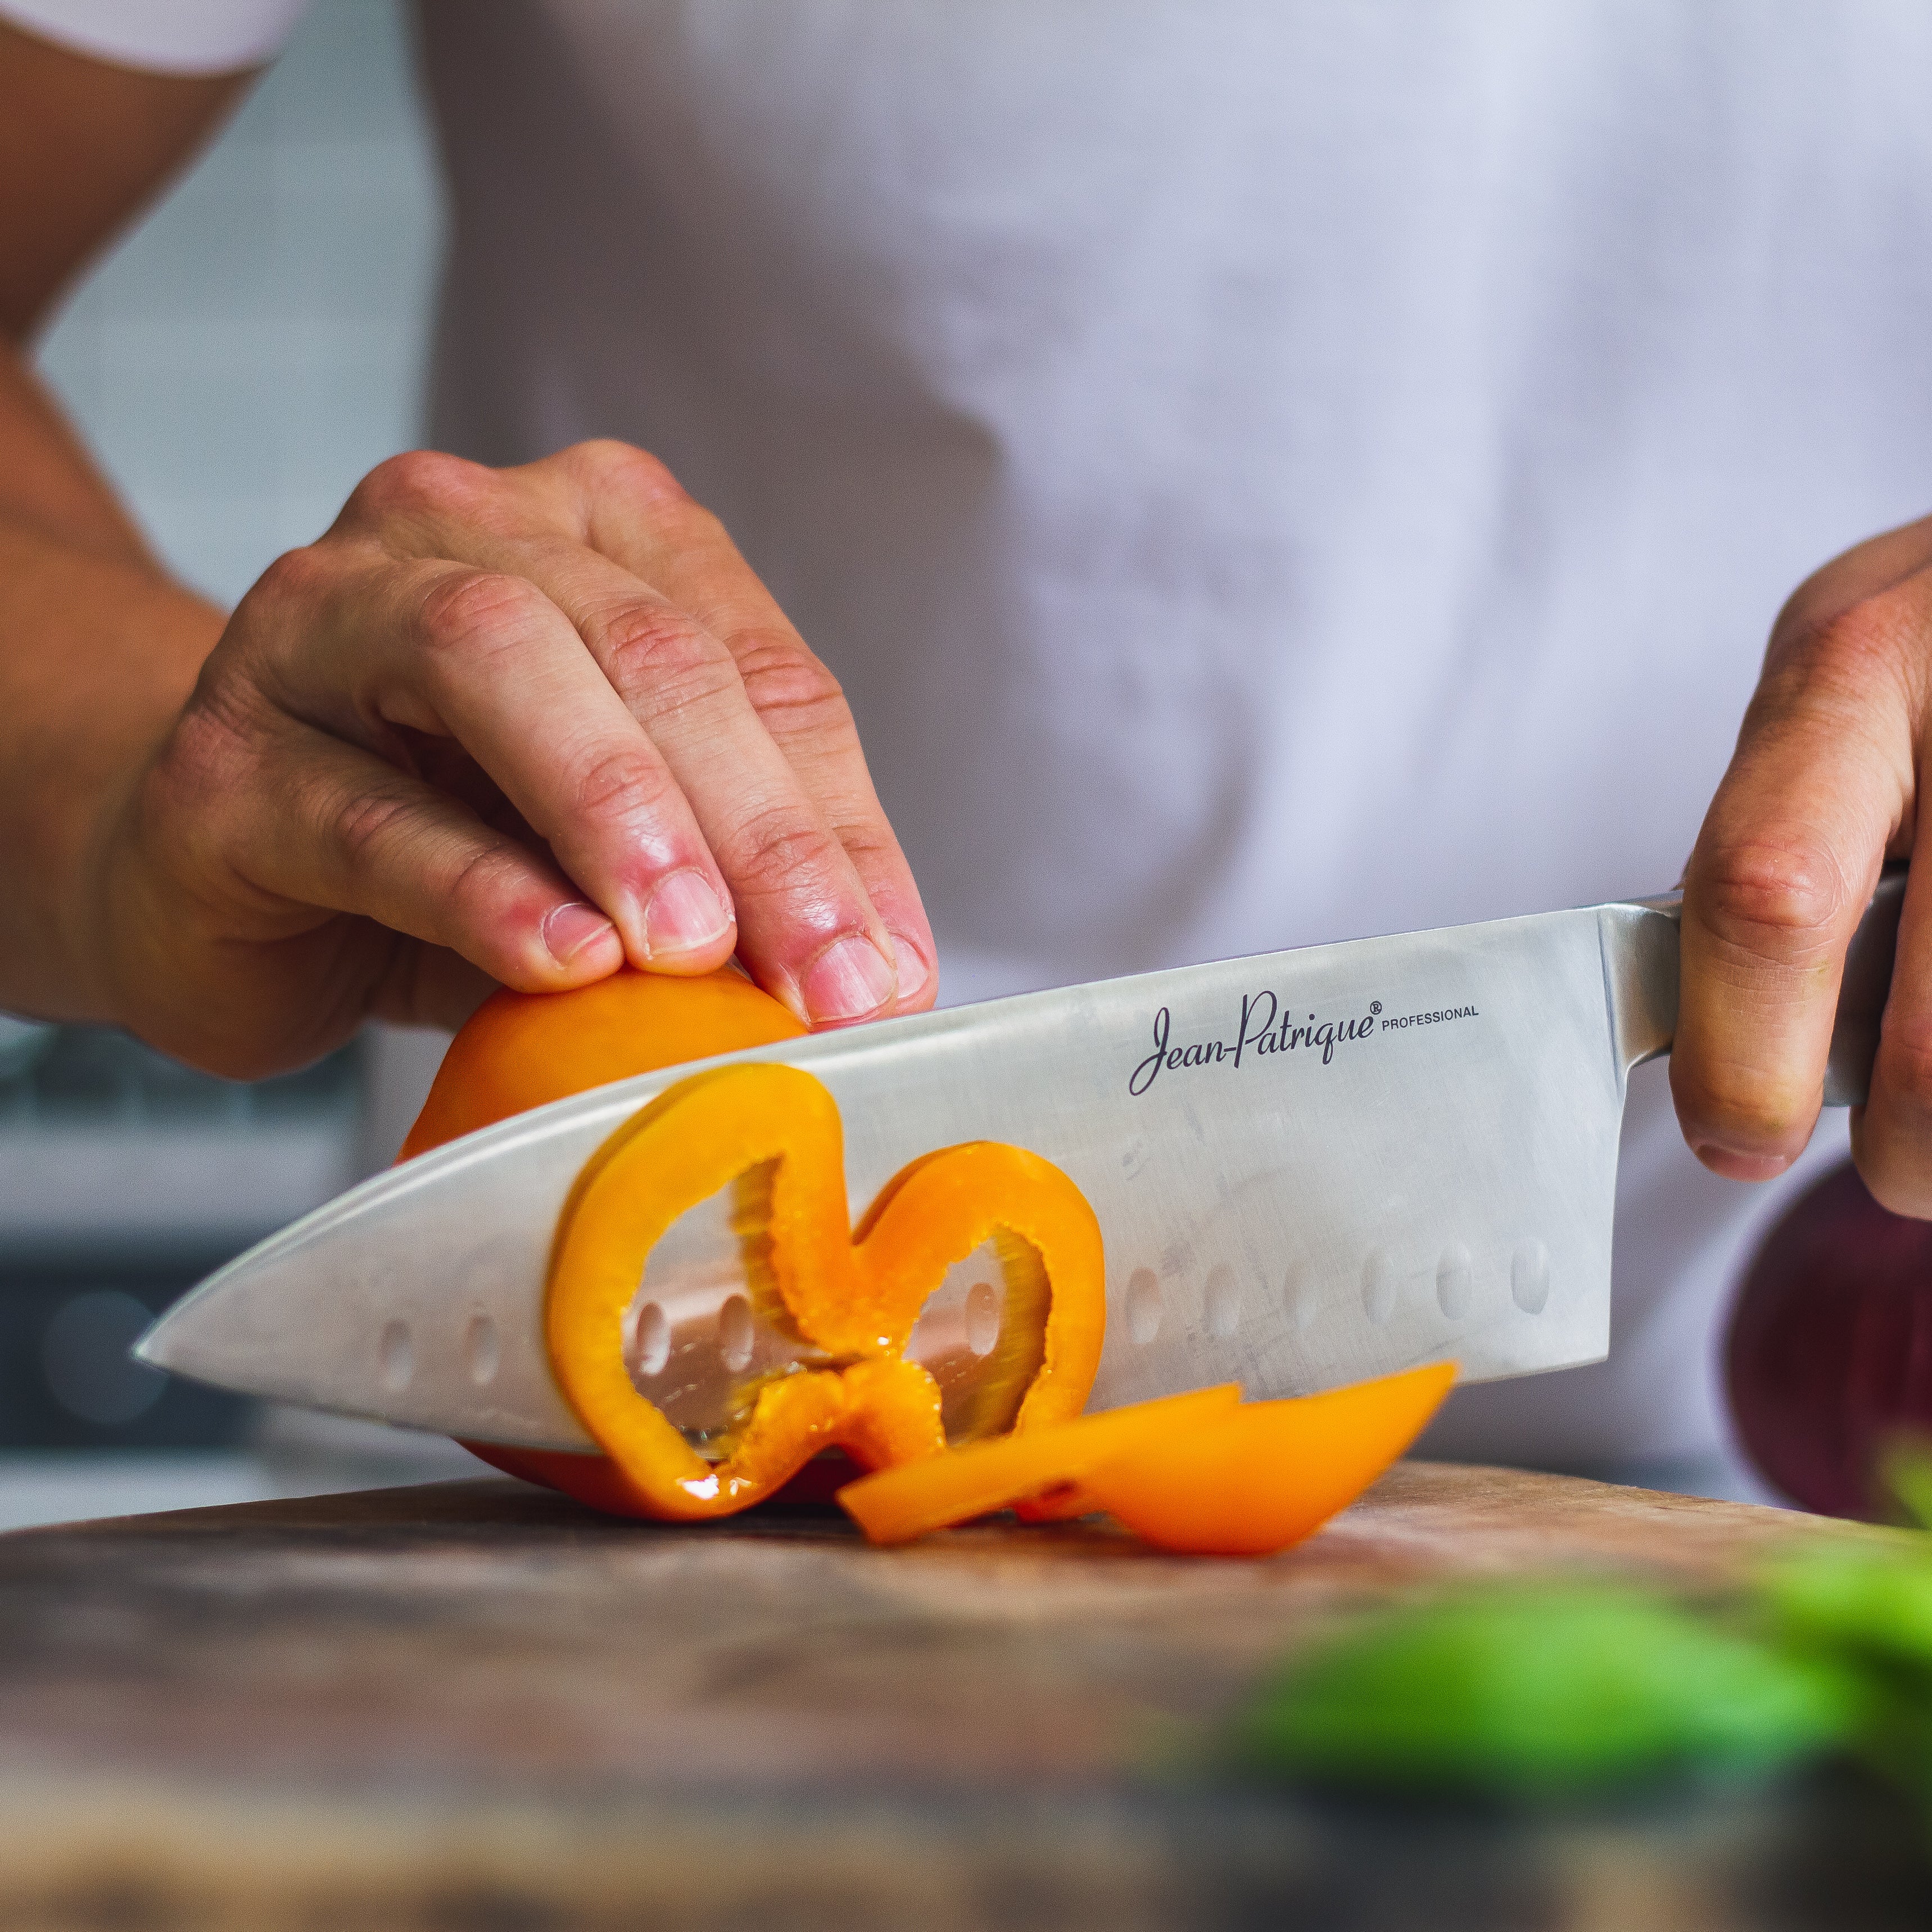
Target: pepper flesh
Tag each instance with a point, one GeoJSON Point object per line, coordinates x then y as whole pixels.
{"type": "Point", "coordinates": [1212, 1480]}
{"type": "Point", "coordinates": [895, 1505]}
{"type": "Point", "coordinates": [861, 1292]}
{"type": "Point", "coordinates": [1272, 1472]}
{"type": "Point", "coordinates": [854, 1301]}
{"type": "Point", "coordinates": [521, 1050]}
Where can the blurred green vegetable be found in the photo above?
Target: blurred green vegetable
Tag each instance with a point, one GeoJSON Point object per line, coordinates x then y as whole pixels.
{"type": "Point", "coordinates": [1552, 1688]}
{"type": "Point", "coordinates": [1870, 1610]}
{"type": "Point", "coordinates": [1544, 1690]}
{"type": "Point", "coordinates": [1906, 1471]}
{"type": "Point", "coordinates": [1866, 1605]}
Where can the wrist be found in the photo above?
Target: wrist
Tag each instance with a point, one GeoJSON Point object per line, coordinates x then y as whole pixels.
{"type": "Point", "coordinates": [85, 717]}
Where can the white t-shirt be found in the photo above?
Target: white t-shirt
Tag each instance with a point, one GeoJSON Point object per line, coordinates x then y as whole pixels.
{"type": "Point", "coordinates": [1264, 471]}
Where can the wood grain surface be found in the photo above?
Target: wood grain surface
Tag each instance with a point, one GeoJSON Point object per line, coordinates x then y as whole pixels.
{"type": "Point", "coordinates": [477, 1705]}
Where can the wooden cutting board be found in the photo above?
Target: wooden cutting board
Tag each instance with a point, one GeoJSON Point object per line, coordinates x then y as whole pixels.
{"type": "Point", "coordinates": [476, 1704]}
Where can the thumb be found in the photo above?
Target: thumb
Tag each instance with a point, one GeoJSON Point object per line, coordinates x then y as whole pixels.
{"type": "Point", "coordinates": [1822, 784]}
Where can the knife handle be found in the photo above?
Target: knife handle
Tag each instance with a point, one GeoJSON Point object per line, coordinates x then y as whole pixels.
{"type": "Point", "coordinates": [1863, 991]}
{"type": "Point", "coordinates": [1640, 963]}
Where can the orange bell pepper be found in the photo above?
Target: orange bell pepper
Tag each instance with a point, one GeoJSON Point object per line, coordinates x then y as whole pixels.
{"type": "Point", "coordinates": [521, 1050]}
{"type": "Point", "coordinates": [854, 1301]}
{"type": "Point", "coordinates": [1213, 1479]}
{"type": "Point", "coordinates": [851, 1300]}
{"type": "Point", "coordinates": [1272, 1472]}
{"type": "Point", "coordinates": [895, 1505]}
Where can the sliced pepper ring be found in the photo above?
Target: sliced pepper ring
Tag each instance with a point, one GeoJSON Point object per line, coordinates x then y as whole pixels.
{"type": "Point", "coordinates": [1193, 1473]}
{"type": "Point", "coordinates": [895, 1505]}
{"type": "Point", "coordinates": [1272, 1472]}
{"type": "Point", "coordinates": [854, 1299]}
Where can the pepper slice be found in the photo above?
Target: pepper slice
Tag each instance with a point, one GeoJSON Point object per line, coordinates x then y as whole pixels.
{"type": "Point", "coordinates": [895, 1505]}
{"type": "Point", "coordinates": [1272, 1472]}
{"type": "Point", "coordinates": [1209, 1479]}
{"type": "Point", "coordinates": [850, 1300]}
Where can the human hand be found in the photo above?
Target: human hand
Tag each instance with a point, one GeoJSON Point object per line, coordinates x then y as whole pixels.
{"type": "Point", "coordinates": [513, 725]}
{"type": "Point", "coordinates": [1828, 782]}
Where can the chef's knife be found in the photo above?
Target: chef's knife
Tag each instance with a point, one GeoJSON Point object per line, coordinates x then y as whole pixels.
{"type": "Point", "coordinates": [1309, 1168]}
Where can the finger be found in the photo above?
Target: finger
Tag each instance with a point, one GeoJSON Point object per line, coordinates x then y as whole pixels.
{"type": "Point", "coordinates": [317, 822]}
{"type": "Point", "coordinates": [630, 508]}
{"type": "Point", "coordinates": [487, 658]}
{"type": "Point", "coordinates": [819, 741]}
{"type": "Point", "coordinates": [801, 706]}
{"type": "Point", "coordinates": [1782, 872]}
{"type": "Point", "coordinates": [807, 929]}
{"type": "Point", "coordinates": [1891, 1134]}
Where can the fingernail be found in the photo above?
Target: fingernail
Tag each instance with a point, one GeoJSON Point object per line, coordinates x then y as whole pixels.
{"type": "Point", "coordinates": [913, 971]}
{"type": "Point", "coordinates": [684, 915]}
{"type": "Point", "coordinates": [1734, 1166]}
{"type": "Point", "coordinates": [568, 930]}
{"type": "Point", "coordinates": [848, 980]}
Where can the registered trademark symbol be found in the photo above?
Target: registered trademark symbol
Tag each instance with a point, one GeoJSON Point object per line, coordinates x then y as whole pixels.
{"type": "Point", "coordinates": [1375, 1005]}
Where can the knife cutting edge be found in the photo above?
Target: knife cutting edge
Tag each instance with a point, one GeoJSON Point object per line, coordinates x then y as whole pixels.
{"type": "Point", "coordinates": [1309, 1168]}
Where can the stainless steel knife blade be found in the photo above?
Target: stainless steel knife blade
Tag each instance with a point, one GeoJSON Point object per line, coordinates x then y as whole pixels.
{"type": "Point", "coordinates": [1309, 1167]}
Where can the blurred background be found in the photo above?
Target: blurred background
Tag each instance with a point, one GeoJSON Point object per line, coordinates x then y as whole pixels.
{"type": "Point", "coordinates": [238, 361]}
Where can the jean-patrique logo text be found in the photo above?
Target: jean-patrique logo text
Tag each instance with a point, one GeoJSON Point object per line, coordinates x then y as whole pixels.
{"type": "Point", "coordinates": [1264, 1027]}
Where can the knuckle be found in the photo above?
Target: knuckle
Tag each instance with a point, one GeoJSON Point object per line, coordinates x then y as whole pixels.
{"type": "Point", "coordinates": [420, 482]}
{"type": "Point", "coordinates": [609, 464]}
{"type": "Point", "coordinates": [376, 836]}
{"type": "Point", "coordinates": [361, 826]}
{"type": "Point", "coordinates": [788, 686]}
{"type": "Point", "coordinates": [208, 747]}
{"type": "Point", "coordinates": [622, 785]}
{"type": "Point", "coordinates": [201, 769]}
{"type": "Point", "coordinates": [301, 576]}
{"type": "Point", "coordinates": [656, 647]}
{"type": "Point", "coordinates": [219, 744]}
{"type": "Point", "coordinates": [473, 895]}
{"type": "Point", "coordinates": [774, 850]}
{"type": "Point", "coordinates": [466, 612]}
{"type": "Point", "coordinates": [1781, 898]}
